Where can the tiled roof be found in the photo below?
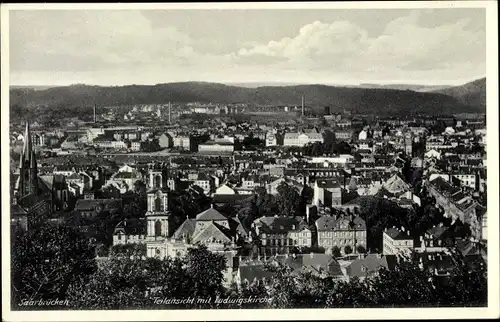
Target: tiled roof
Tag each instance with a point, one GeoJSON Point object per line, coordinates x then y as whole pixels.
{"type": "Point", "coordinates": [229, 198]}
{"type": "Point", "coordinates": [212, 232]}
{"type": "Point", "coordinates": [326, 184]}
{"type": "Point", "coordinates": [254, 271]}
{"type": "Point", "coordinates": [280, 225]}
{"type": "Point", "coordinates": [329, 223]}
{"type": "Point", "coordinates": [136, 226]}
{"type": "Point", "coordinates": [185, 229]}
{"type": "Point", "coordinates": [369, 265]}
{"type": "Point", "coordinates": [210, 214]}
{"type": "Point", "coordinates": [437, 231]}
{"type": "Point", "coordinates": [90, 204]}
{"type": "Point", "coordinates": [397, 234]}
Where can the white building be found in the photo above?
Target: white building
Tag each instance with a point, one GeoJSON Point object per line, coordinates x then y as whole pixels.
{"type": "Point", "coordinates": [301, 139]}
{"type": "Point", "coordinates": [216, 147]}
{"type": "Point", "coordinates": [271, 139]}
{"type": "Point", "coordinates": [397, 241]}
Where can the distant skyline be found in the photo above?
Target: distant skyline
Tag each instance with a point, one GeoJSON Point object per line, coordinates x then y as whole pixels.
{"type": "Point", "coordinates": [309, 46]}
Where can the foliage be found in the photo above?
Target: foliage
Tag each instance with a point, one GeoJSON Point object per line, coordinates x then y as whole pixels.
{"type": "Point", "coordinates": [360, 249]}
{"type": "Point", "coordinates": [127, 250]}
{"type": "Point", "coordinates": [128, 283]}
{"type": "Point", "coordinates": [407, 285]}
{"type": "Point", "coordinates": [186, 204]}
{"type": "Point", "coordinates": [206, 269]}
{"type": "Point", "coordinates": [47, 259]}
{"type": "Point", "coordinates": [75, 101]}
{"type": "Point", "coordinates": [336, 251]}
{"type": "Point", "coordinates": [287, 200]}
{"type": "Point", "coordinates": [135, 282]}
{"type": "Point", "coordinates": [380, 213]}
{"type": "Point", "coordinates": [347, 250]}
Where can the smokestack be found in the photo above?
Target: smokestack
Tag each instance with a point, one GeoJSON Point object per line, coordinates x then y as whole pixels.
{"type": "Point", "coordinates": [303, 105]}
{"type": "Point", "coordinates": [169, 112]}
{"type": "Point", "coordinates": [95, 117]}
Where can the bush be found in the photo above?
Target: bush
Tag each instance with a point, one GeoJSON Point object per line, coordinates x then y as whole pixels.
{"type": "Point", "coordinates": [361, 249]}
{"type": "Point", "coordinates": [335, 250]}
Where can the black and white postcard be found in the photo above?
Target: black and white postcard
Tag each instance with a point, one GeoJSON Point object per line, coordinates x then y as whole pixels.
{"type": "Point", "coordinates": [250, 161]}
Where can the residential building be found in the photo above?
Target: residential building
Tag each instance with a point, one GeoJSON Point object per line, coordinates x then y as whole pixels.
{"type": "Point", "coordinates": [456, 204]}
{"type": "Point", "coordinates": [396, 241]}
{"type": "Point", "coordinates": [130, 231]}
{"type": "Point", "coordinates": [213, 147]}
{"type": "Point", "coordinates": [341, 230]}
{"type": "Point", "coordinates": [327, 193]}
{"type": "Point", "coordinates": [279, 235]}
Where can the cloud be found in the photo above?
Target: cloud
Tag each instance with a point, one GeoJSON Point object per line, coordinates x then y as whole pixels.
{"type": "Point", "coordinates": [124, 46]}
{"type": "Point", "coordinates": [404, 45]}
{"type": "Point", "coordinates": [117, 38]}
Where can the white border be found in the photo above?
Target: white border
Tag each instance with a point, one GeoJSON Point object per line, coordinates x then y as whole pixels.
{"type": "Point", "coordinates": [270, 314]}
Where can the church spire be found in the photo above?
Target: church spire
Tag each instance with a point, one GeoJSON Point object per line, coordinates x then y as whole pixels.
{"type": "Point", "coordinates": [28, 183]}
{"type": "Point", "coordinates": [26, 154]}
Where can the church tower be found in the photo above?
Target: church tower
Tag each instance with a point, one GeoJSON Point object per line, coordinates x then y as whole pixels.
{"type": "Point", "coordinates": [28, 172]}
{"type": "Point", "coordinates": [158, 214]}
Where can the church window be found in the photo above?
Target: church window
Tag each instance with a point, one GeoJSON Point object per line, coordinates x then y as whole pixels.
{"type": "Point", "coordinates": [157, 228]}
{"type": "Point", "coordinates": [158, 204]}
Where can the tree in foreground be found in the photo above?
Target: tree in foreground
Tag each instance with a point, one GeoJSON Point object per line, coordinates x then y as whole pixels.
{"type": "Point", "coordinates": [47, 259]}
{"type": "Point", "coordinates": [139, 282]}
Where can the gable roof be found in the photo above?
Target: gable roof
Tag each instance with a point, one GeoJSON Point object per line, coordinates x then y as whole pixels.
{"type": "Point", "coordinates": [395, 184]}
{"type": "Point", "coordinates": [328, 184]}
{"type": "Point", "coordinates": [185, 229]}
{"type": "Point", "coordinates": [397, 234]}
{"type": "Point", "coordinates": [280, 225]}
{"type": "Point", "coordinates": [211, 232]}
{"type": "Point", "coordinates": [370, 265]}
{"type": "Point", "coordinates": [136, 226]}
{"type": "Point", "coordinates": [210, 214]}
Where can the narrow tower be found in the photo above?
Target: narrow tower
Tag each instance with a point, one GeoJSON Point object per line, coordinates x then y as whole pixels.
{"type": "Point", "coordinates": [28, 172]}
{"type": "Point", "coordinates": [169, 112]}
{"type": "Point", "coordinates": [95, 116]}
{"type": "Point", "coordinates": [303, 105]}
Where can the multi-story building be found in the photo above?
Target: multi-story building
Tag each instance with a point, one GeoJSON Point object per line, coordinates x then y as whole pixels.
{"type": "Point", "coordinates": [38, 139]}
{"type": "Point", "coordinates": [130, 231]}
{"type": "Point", "coordinates": [341, 231]}
{"type": "Point", "coordinates": [181, 141]}
{"type": "Point", "coordinates": [396, 241]}
{"type": "Point", "coordinates": [109, 143]}
{"type": "Point", "coordinates": [165, 140]}
{"type": "Point", "coordinates": [93, 207]}
{"type": "Point", "coordinates": [135, 145]}
{"type": "Point", "coordinates": [302, 139]}
{"type": "Point", "coordinates": [468, 179]}
{"type": "Point", "coordinates": [279, 235]}
{"type": "Point", "coordinates": [327, 193]}
{"type": "Point", "coordinates": [456, 204]}
{"type": "Point", "coordinates": [212, 146]}
{"type": "Point", "coordinates": [345, 135]}
{"type": "Point", "coordinates": [205, 182]}
{"type": "Point", "coordinates": [271, 139]}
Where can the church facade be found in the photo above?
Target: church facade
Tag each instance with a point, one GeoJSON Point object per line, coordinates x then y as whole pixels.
{"type": "Point", "coordinates": [32, 198]}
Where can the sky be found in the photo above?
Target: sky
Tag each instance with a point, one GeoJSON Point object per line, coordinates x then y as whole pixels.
{"type": "Point", "coordinates": [320, 46]}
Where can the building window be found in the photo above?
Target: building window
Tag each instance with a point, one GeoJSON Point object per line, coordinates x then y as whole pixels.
{"type": "Point", "coordinates": [157, 228]}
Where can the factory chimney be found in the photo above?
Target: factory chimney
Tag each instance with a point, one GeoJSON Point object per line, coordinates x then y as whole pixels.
{"type": "Point", "coordinates": [169, 112]}
{"type": "Point", "coordinates": [95, 116]}
{"type": "Point", "coordinates": [303, 100]}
